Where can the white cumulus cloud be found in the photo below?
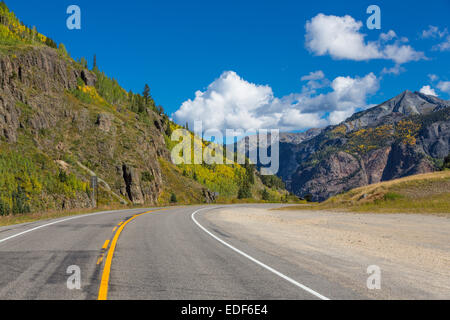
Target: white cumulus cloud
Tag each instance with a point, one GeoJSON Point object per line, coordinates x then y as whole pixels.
{"type": "Point", "coordinates": [231, 102]}
{"type": "Point", "coordinates": [443, 46]}
{"type": "Point", "coordinates": [340, 37]}
{"type": "Point", "coordinates": [317, 75]}
{"type": "Point", "coordinates": [444, 86]}
{"type": "Point", "coordinates": [436, 33]}
{"type": "Point", "coordinates": [428, 91]}
{"type": "Point", "coordinates": [388, 36]}
{"type": "Point", "coordinates": [433, 77]}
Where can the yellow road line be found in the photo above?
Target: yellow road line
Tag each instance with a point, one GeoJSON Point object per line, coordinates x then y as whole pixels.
{"type": "Point", "coordinates": [100, 259]}
{"type": "Point", "coordinates": [114, 228]}
{"type": "Point", "coordinates": [105, 245]}
{"type": "Point", "coordinates": [120, 223]}
{"type": "Point", "coordinates": [103, 292]}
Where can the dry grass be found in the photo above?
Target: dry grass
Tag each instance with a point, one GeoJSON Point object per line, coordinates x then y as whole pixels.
{"type": "Point", "coordinates": [32, 217]}
{"type": "Point", "coordinates": [424, 193]}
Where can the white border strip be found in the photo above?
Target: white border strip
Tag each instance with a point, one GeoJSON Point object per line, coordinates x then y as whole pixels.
{"type": "Point", "coordinates": [309, 290]}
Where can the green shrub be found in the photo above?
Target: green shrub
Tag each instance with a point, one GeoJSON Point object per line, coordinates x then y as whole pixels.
{"type": "Point", "coordinates": [20, 201]}
{"type": "Point", "coordinates": [146, 176]}
{"type": "Point", "coordinates": [245, 191]}
{"type": "Point", "coordinates": [25, 179]}
{"type": "Point", "coordinates": [265, 195]}
{"type": "Point", "coordinates": [392, 196]}
{"type": "Point", "coordinates": [446, 164]}
{"type": "Point", "coordinates": [4, 208]}
{"type": "Point", "coordinates": [272, 181]}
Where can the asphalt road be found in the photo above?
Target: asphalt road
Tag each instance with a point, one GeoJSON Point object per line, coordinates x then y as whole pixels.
{"type": "Point", "coordinates": [161, 254]}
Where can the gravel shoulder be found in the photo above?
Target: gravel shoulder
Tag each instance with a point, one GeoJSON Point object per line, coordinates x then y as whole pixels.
{"type": "Point", "coordinates": [413, 251]}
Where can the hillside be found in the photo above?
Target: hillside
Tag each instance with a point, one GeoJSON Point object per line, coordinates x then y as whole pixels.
{"type": "Point", "coordinates": [407, 135]}
{"type": "Point", "coordinates": [61, 122]}
{"type": "Point", "coordinates": [423, 193]}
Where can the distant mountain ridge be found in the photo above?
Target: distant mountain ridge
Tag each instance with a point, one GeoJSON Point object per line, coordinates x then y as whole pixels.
{"type": "Point", "coordinates": [408, 134]}
{"type": "Point", "coordinates": [405, 104]}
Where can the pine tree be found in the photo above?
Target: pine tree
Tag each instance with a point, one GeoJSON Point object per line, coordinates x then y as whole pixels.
{"type": "Point", "coordinates": [63, 50]}
{"type": "Point", "coordinates": [94, 64]}
{"type": "Point", "coordinates": [245, 191]}
{"type": "Point", "coordinates": [83, 62]}
{"type": "Point", "coordinates": [20, 201]}
{"type": "Point", "coordinates": [446, 162]}
{"type": "Point", "coordinates": [146, 94]}
{"type": "Point", "coordinates": [265, 195]}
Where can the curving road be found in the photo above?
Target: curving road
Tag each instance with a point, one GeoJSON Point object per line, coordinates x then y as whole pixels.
{"type": "Point", "coordinates": [173, 253]}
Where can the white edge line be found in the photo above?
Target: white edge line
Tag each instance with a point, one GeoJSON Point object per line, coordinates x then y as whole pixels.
{"type": "Point", "coordinates": [309, 290]}
{"type": "Point", "coordinates": [59, 221]}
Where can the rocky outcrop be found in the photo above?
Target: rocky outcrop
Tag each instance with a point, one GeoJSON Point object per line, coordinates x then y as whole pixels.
{"type": "Point", "coordinates": [405, 104]}
{"type": "Point", "coordinates": [9, 119]}
{"type": "Point", "coordinates": [104, 121]}
{"type": "Point", "coordinates": [132, 184]}
{"type": "Point", "coordinates": [342, 171]}
{"type": "Point", "coordinates": [209, 196]}
{"type": "Point", "coordinates": [35, 102]}
{"type": "Point", "coordinates": [323, 166]}
{"type": "Point", "coordinates": [405, 161]}
{"type": "Point", "coordinates": [374, 164]}
{"type": "Point", "coordinates": [42, 69]}
{"type": "Point", "coordinates": [435, 139]}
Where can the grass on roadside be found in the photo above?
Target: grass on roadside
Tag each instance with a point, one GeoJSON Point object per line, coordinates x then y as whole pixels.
{"type": "Point", "coordinates": [424, 193]}
{"type": "Point", "coordinates": [32, 217]}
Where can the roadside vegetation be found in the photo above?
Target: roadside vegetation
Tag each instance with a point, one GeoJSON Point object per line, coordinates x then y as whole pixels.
{"type": "Point", "coordinates": [424, 193]}
{"type": "Point", "coordinates": [230, 182]}
{"type": "Point", "coordinates": [27, 182]}
{"type": "Point", "coordinates": [13, 31]}
{"type": "Point", "coordinates": [53, 214]}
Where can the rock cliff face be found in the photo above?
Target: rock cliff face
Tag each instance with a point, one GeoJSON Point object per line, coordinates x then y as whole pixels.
{"type": "Point", "coordinates": [331, 161]}
{"type": "Point", "coordinates": [37, 109]}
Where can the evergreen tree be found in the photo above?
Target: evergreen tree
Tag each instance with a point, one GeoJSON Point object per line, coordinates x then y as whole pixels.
{"type": "Point", "coordinates": [94, 64]}
{"type": "Point", "coordinates": [146, 94]}
{"type": "Point", "coordinates": [245, 191]}
{"type": "Point", "coordinates": [4, 208]}
{"type": "Point", "coordinates": [446, 162]}
{"type": "Point", "coordinates": [249, 172]}
{"type": "Point", "coordinates": [265, 195]}
{"type": "Point", "coordinates": [63, 50]}
{"type": "Point", "coordinates": [20, 201]}
{"type": "Point", "coordinates": [34, 33]}
{"type": "Point", "coordinates": [83, 62]}
{"type": "Point", "coordinates": [52, 44]}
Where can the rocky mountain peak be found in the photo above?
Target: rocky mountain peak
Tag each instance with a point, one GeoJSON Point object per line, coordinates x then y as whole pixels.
{"type": "Point", "coordinates": [405, 104]}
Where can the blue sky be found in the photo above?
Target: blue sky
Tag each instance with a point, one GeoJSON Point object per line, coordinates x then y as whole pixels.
{"type": "Point", "coordinates": [180, 47]}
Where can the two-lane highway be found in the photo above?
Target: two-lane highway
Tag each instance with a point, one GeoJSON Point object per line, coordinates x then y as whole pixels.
{"type": "Point", "coordinates": [174, 253]}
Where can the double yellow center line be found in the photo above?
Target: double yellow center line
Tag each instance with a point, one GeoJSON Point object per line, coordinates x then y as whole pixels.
{"type": "Point", "coordinates": [103, 291]}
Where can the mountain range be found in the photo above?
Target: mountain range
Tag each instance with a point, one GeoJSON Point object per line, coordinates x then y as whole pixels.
{"type": "Point", "coordinates": [408, 134]}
